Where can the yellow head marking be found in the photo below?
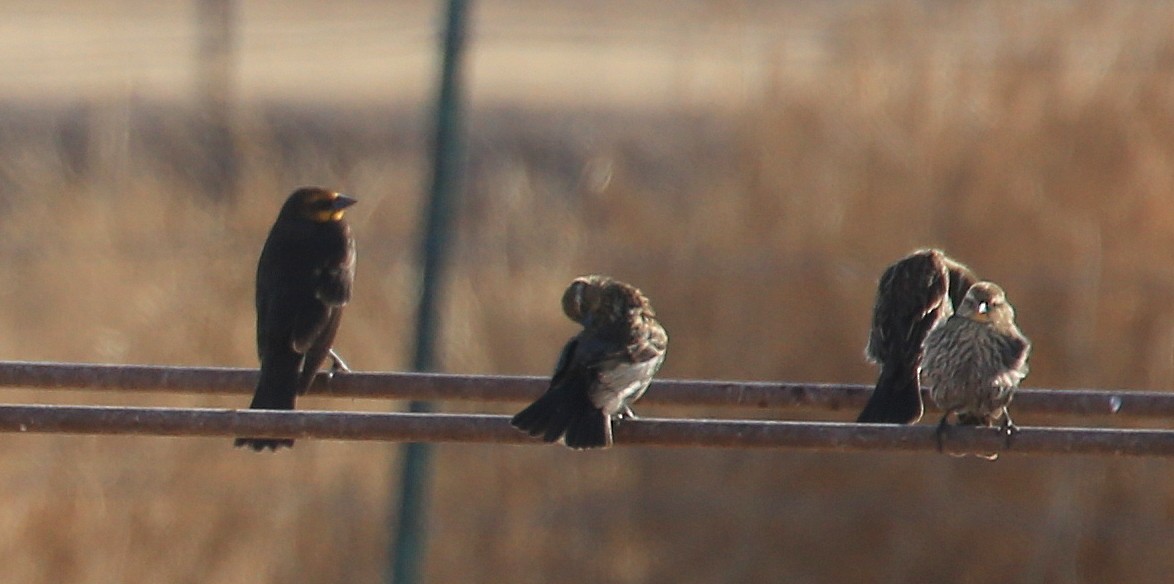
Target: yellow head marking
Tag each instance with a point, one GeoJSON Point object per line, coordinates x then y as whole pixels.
{"type": "Point", "coordinates": [323, 206]}
{"type": "Point", "coordinates": [326, 216]}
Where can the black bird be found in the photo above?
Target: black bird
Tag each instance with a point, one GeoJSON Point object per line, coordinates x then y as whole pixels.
{"type": "Point", "coordinates": [913, 295]}
{"type": "Point", "coordinates": [603, 369]}
{"type": "Point", "coordinates": [304, 280]}
{"type": "Point", "coordinates": [975, 360]}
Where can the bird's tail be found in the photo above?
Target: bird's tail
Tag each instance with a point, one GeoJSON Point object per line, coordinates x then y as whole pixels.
{"type": "Point", "coordinates": [896, 398]}
{"type": "Point", "coordinates": [276, 390]}
{"type": "Point", "coordinates": [568, 415]}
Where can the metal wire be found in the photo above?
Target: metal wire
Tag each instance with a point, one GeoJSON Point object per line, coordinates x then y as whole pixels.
{"type": "Point", "coordinates": [498, 388]}
{"type": "Point", "coordinates": [408, 427]}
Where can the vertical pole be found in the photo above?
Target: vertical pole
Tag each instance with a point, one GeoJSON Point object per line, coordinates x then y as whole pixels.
{"type": "Point", "coordinates": [215, 55]}
{"type": "Point", "coordinates": [409, 539]}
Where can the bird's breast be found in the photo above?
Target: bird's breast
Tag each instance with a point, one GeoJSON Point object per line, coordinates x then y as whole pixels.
{"type": "Point", "coordinates": [624, 383]}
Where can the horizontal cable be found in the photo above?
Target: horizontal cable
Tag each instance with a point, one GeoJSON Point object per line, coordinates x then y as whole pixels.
{"type": "Point", "coordinates": [500, 388]}
{"type": "Point", "coordinates": [406, 427]}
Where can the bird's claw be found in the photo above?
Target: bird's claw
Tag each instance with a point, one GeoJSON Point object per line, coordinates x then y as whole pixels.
{"type": "Point", "coordinates": [337, 365]}
{"type": "Point", "coordinates": [1009, 429]}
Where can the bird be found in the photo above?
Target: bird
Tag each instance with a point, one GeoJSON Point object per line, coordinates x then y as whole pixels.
{"type": "Point", "coordinates": [913, 295]}
{"type": "Point", "coordinates": [304, 279]}
{"type": "Point", "coordinates": [974, 361]}
{"type": "Point", "coordinates": [603, 369]}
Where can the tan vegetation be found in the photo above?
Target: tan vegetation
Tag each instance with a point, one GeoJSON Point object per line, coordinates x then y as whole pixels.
{"type": "Point", "coordinates": [1034, 141]}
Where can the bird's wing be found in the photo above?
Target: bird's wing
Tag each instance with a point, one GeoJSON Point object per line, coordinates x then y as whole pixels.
{"type": "Point", "coordinates": [562, 368]}
{"type": "Point", "coordinates": [1013, 350]}
{"type": "Point", "coordinates": [309, 322]}
{"type": "Point", "coordinates": [592, 353]}
{"type": "Point", "coordinates": [333, 280]}
{"type": "Point", "coordinates": [650, 344]}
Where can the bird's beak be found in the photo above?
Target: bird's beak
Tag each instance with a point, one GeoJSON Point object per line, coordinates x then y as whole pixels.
{"type": "Point", "coordinates": [983, 308]}
{"type": "Point", "coordinates": [342, 202]}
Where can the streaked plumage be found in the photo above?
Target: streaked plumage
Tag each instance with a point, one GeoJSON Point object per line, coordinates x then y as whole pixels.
{"type": "Point", "coordinates": [975, 359]}
{"type": "Point", "coordinates": [603, 369]}
{"type": "Point", "coordinates": [913, 295]}
{"type": "Point", "coordinates": [304, 279]}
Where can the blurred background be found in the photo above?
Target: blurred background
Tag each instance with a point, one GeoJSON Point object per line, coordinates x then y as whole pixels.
{"type": "Point", "coordinates": [753, 166]}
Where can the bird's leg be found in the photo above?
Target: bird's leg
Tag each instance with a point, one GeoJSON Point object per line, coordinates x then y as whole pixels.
{"type": "Point", "coordinates": [1009, 428]}
{"type": "Point", "coordinates": [337, 364]}
{"type": "Point", "coordinates": [942, 429]}
{"type": "Point", "coordinates": [625, 414]}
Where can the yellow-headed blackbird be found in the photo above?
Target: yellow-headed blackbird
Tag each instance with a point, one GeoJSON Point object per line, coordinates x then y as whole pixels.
{"type": "Point", "coordinates": [975, 359]}
{"type": "Point", "coordinates": [603, 369]}
{"type": "Point", "coordinates": [304, 280]}
{"type": "Point", "coordinates": [913, 295]}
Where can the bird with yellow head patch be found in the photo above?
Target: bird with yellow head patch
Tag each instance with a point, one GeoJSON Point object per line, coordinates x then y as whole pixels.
{"type": "Point", "coordinates": [304, 280]}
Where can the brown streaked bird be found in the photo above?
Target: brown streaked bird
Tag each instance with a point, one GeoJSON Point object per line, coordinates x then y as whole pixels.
{"type": "Point", "coordinates": [913, 295]}
{"type": "Point", "coordinates": [304, 280]}
{"type": "Point", "coordinates": [975, 359]}
{"type": "Point", "coordinates": [603, 369]}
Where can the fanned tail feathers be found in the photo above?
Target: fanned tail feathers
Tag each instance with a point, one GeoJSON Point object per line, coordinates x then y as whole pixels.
{"type": "Point", "coordinates": [561, 414]}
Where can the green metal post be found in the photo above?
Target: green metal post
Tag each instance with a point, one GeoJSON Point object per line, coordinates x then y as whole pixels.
{"type": "Point", "coordinates": [410, 536]}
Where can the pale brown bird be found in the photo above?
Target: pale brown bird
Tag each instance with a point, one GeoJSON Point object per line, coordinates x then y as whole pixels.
{"type": "Point", "coordinates": [304, 280]}
{"type": "Point", "coordinates": [603, 369]}
{"type": "Point", "coordinates": [913, 295]}
{"type": "Point", "coordinates": [975, 359]}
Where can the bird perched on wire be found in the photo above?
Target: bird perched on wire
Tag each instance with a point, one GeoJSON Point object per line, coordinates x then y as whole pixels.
{"type": "Point", "coordinates": [975, 359]}
{"type": "Point", "coordinates": [913, 295]}
{"type": "Point", "coordinates": [304, 280]}
{"type": "Point", "coordinates": [603, 369]}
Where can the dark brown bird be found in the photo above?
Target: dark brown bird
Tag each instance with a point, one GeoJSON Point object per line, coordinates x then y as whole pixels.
{"type": "Point", "coordinates": [304, 280]}
{"type": "Point", "coordinates": [913, 295]}
{"type": "Point", "coordinates": [975, 359]}
{"type": "Point", "coordinates": [603, 369]}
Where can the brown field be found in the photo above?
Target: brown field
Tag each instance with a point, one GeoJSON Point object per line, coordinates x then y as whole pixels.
{"type": "Point", "coordinates": [752, 166]}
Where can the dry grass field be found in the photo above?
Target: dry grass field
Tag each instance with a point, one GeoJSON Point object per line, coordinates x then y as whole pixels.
{"type": "Point", "coordinates": [751, 165]}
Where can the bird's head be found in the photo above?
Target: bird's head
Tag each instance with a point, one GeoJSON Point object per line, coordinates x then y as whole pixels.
{"type": "Point", "coordinates": [986, 302]}
{"type": "Point", "coordinates": [317, 204]}
{"type": "Point", "coordinates": [583, 297]}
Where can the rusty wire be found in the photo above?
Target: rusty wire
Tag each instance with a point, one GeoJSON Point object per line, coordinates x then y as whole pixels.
{"type": "Point", "coordinates": [500, 388]}
{"type": "Point", "coordinates": [407, 427]}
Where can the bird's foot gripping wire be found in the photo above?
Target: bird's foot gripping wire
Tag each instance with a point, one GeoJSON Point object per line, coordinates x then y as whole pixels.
{"type": "Point", "coordinates": [1009, 429]}
{"type": "Point", "coordinates": [337, 364]}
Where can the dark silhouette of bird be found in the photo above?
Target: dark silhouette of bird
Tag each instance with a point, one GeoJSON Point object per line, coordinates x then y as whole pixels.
{"type": "Point", "coordinates": [975, 359]}
{"type": "Point", "coordinates": [304, 280]}
{"type": "Point", "coordinates": [961, 279]}
{"type": "Point", "coordinates": [603, 369]}
{"type": "Point", "coordinates": [913, 295]}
